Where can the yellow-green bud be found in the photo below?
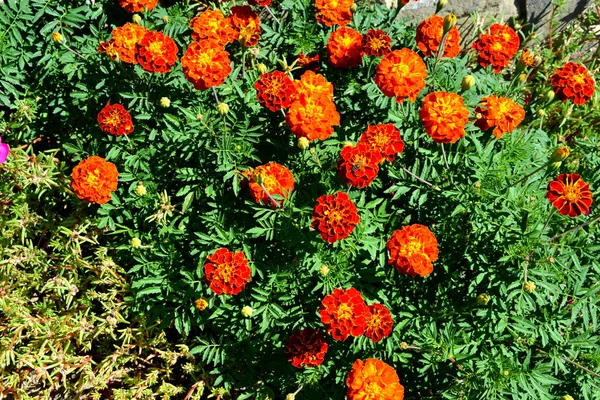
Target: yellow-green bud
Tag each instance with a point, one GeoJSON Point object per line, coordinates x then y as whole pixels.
{"type": "Point", "coordinates": [136, 19]}
{"type": "Point", "coordinates": [468, 82]}
{"type": "Point", "coordinates": [560, 154]}
{"type": "Point", "coordinates": [165, 18]}
{"type": "Point", "coordinates": [529, 287]}
{"type": "Point", "coordinates": [550, 95]}
{"type": "Point", "coordinates": [262, 68]}
{"type": "Point", "coordinates": [551, 260]}
{"type": "Point", "coordinates": [136, 243]}
{"type": "Point", "coordinates": [223, 108]}
{"type": "Point", "coordinates": [57, 37]}
{"type": "Point", "coordinates": [201, 304]}
{"type": "Point", "coordinates": [567, 397]}
{"type": "Point", "coordinates": [522, 78]}
{"type": "Point", "coordinates": [290, 396]}
{"type": "Point", "coordinates": [440, 5]}
{"type": "Point", "coordinates": [505, 373]}
{"type": "Point", "coordinates": [404, 345]}
{"type": "Point", "coordinates": [303, 143]}
{"type": "Point", "coordinates": [449, 22]}
{"type": "Point", "coordinates": [199, 117]}
{"type": "Point", "coordinates": [140, 190]}
{"type": "Point", "coordinates": [165, 102]}
{"type": "Point", "coordinates": [247, 311]}
{"type": "Point", "coordinates": [353, 7]}
{"type": "Point", "coordinates": [541, 112]}
{"type": "Point", "coordinates": [482, 299]}
{"type": "Point", "coordinates": [324, 270]}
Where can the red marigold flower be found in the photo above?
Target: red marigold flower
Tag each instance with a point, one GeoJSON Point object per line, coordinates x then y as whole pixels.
{"type": "Point", "coordinates": [385, 139]}
{"type": "Point", "coordinates": [94, 179]}
{"type": "Point", "coordinates": [373, 379]}
{"type": "Point", "coordinates": [344, 313]}
{"type": "Point", "coordinates": [357, 165]}
{"type": "Point", "coordinates": [115, 120]}
{"type": "Point", "coordinates": [429, 37]}
{"type": "Point", "coordinates": [379, 323]}
{"type": "Point", "coordinates": [344, 48]}
{"type": "Point", "coordinates": [133, 6]}
{"type": "Point", "coordinates": [307, 62]}
{"type": "Point", "coordinates": [314, 85]}
{"type": "Point", "coordinates": [335, 216]}
{"type": "Point", "coordinates": [376, 43]}
{"type": "Point", "coordinates": [573, 81]}
{"type": "Point", "coordinates": [500, 113]}
{"type": "Point", "coordinates": [123, 42]}
{"type": "Point", "coordinates": [227, 272]}
{"type": "Point", "coordinates": [275, 90]}
{"type": "Point", "coordinates": [246, 24]}
{"type": "Point", "coordinates": [444, 116]}
{"type": "Point", "coordinates": [212, 25]}
{"type": "Point", "coordinates": [334, 12]}
{"type": "Point", "coordinates": [261, 3]}
{"type": "Point", "coordinates": [312, 117]}
{"type": "Point", "coordinates": [306, 348]}
{"type": "Point", "coordinates": [206, 64]}
{"type": "Point", "coordinates": [570, 194]}
{"type": "Point", "coordinates": [156, 52]}
{"type": "Point", "coordinates": [413, 249]}
{"type": "Point", "coordinates": [498, 47]}
{"type": "Point", "coordinates": [401, 73]}
{"type": "Point", "coordinates": [269, 183]}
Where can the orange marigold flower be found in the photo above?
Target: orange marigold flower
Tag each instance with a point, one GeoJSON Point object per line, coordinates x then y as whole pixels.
{"type": "Point", "coordinates": [212, 25]}
{"type": "Point", "coordinates": [311, 84]}
{"type": "Point", "coordinates": [385, 139]}
{"type": "Point", "coordinates": [206, 64]}
{"type": "Point", "coordinates": [357, 165]}
{"type": "Point", "coordinates": [413, 249]}
{"type": "Point", "coordinates": [376, 43]}
{"type": "Point", "coordinates": [94, 179]}
{"type": "Point", "coordinates": [379, 323]}
{"type": "Point", "coordinates": [401, 73]}
{"type": "Point", "coordinates": [246, 25]}
{"type": "Point", "coordinates": [500, 113]}
{"type": "Point", "coordinates": [444, 116]}
{"type": "Point", "coordinates": [156, 52]}
{"type": "Point", "coordinates": [334, 12]}
{"type": "Point", "coordinates": [312, 117]}
{"type": "Point", "coordinates": [573, 81]}
{"type": "Point", "coordinates": [344, 313]}
{"type": "Point", "coordinates": [344, 48]}
{"type": "Point", "coordinates": [570, 194]}
{"type": "Point", "coordinates": [306, 348]}
{"type": "Point", "coordinates": [132, 6]}
{"type": "Point", "coordinates": [335, 216]}
{"type": "Point", "coordinates": [109, 49]}
{"type": "Point", "coordinates": [373, 380]}
{"type": "Point", "coordinates": [528, 59]}
{"type": "Point", "coordinates": [275, 90]}
{"type": "Point", "coordinates": [227, 272]}
{"type": "Point", "coordinates": [498, 47]}
{"type": "Point", "coordinates": [429, 37]}
{"type": "Point", "coordinates": [123, 42]}
{"type": "Point", "coordinates": [307, 62]}
{"type": "Point", "coordinates": [269, 183]}
{"type": "Point", "coordinates": [115, 120]}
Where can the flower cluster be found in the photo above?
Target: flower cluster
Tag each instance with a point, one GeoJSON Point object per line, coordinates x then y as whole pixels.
{"type": "Point", "coordinates": [498, 47]}
{"type": "Point", "coordinates": [115, 120]}
{"type": "Point", "coordinates": [385, 139]}
{"type": "Point", "coordinates": [334, 12]}
{"type": "Point", "coordinates": [429, 38]}
{"type": "Point", "coordinates": [306, 348]}
{"type": "Point", "coordinates": [94, 179]}
{"type": "Point", "coordinates": [133, 6]}
{"type": "Point", "coordinates": [573, 82]}
{"type": "Point", "coordinates": [123, 42]}
{"type": "Point", "coordinates": [345, 48]}
{"type": "Point", "coordinates": [269, 183]}
{"type": "Point", "coordinates": [373, 379]}
{"type": "Point", "coordinates": [344, 313]}
{"type": "Point", "coordinates": [275, 90]}
{"type": "Point", "coordinates": [401, 73]}
{"type": "Point", "coordinates": [206, 64]}
{"type": "Point", "coordinates": [500, 113]}
{"type": "Point", "coordinates": [444, 116]}
{"type": "Point", "coordinates": [212, 25]}
{"type": "Point", "coordinates": [413, 249]}
{"type": "Point", "coordinates": [156, 52]}
{"type": "Point", "coordinates": [227, 272]}
{"type": "Point", "coordinates": [335, 216]}
{"type": "Point", "coordinates": [570, 194]}
{"type": "Point", "coordinates": [246, 25]}
{"type": "Point", "coordinates": [357, 165]}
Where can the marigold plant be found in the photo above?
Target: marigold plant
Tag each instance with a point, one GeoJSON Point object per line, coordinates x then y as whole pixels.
{"type": "Point", "coordinates": [413, 249]}
{"type": "Point", "coordinates": [227, 272]}
{"type": "Point", "coordinates": [444, 116]}
{"type": "Point", "coordinates": [115, 120]}
{"type": "Point", "coordinates": [373, 379]}
{"type": "Point", "coordinates": [94, 179]}
{"type": "Point", "coordinates": [335, 216]}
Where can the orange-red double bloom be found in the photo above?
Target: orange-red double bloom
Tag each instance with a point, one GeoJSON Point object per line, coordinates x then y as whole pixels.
{"type": "Point", "coordinates": [573, 82]}
{"type": "Point", "coordinates": [206, 64]}
{"type": "Point", "coordinates": [123, 42]}
{"type": "Point", "coordinates": [334, 12]}
{"type": "Point", "coordinates": [212, 25]}
{"type": "Point", "coordinates": [401, 73]}
{"type": "Point", "coordinates": [385, 139]}
{"type": "Point", "coordinates": [314, 85]}
{"type": "Point", "coordinates": [133, 6]}
{"type": "Point", "coordinates": [413, 249]}
{"type": "Point", "coordinates": [306, 348]}
{"type": "Point", "coordinates": [344, 313]}
{"type": "Point", "coordinates": [115, 120]}
{"type": "Point", "coordinates": [270, 183]}
{"type": "Point", "coordinates": [156, 52]}
{"type": "Point", "coordinates": [335, 216]}
{"type": "Point", "coordinates": [344, 48]}
{"type": "Point", "coordinates": [275, 90]}
{"type": "Point", "coordinates": [570, 194]}
{"type": "Point", "coordinates": [227, 272]}
{"type": "Point", "coordinates": [444, 116]}
{"type": "Point", "coordinates": [500, 113]}
{"type": "Point", "coordinates": [429, 38]}
{"type": "Point", "coordinates": [246, 25]}
{"type": "Point", "coordinates": [497, 47]}
{"type": "Point", "coordinates": [357, 165]}
{"type": "Point", "coordinates": [94, 179]}
{"type": "Point", "coordinates": [376, 43]}
{"type": "Point", "coordinates": [373, 380]}
{"type": "Point", "coordinates": [379, 323]}
{"type": "Point", "coordinates": [312, 116]}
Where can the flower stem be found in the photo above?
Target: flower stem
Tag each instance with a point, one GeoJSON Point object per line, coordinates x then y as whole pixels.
{"type": "Point", "coordinates": [421, 179]}
{"type": "Point", "coordinates": [591, 221]}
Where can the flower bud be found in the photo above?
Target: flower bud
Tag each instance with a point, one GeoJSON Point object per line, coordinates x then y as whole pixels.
{"type": "Point", "coordinates": [324, 270]}
{"type": "Point", "coordinates": [440, 5]}
{"type": "Point", "coordinates": [247, 311]}
{"type": "Point", "coordinates": [223, 108]}
{"type": "Point", "coordinates": [199, 117]}
{"type": "Point", "coordinates": [541, 113]}
{"type": "Point", "coordinates": [560, 154]}
{"type": "Point", "coordinates": [550, 95]}
{"type": "Point", "coordinates": [57, 37]}
{"type": "Point", "coordinates": [551, 260]}
{"type": "Point", "coordinates": [165, 102]}
{"type": "Point", "coordinates": [165, 18]}
{"type": "Point", "coordinates": [262, 68]}
{"type": "Point", "coordinates": [346, 144]}
{"type": "Point", "coordinates": [290, 396]}
{"type": "Point", "coordinates": [353, 7]}
{"type": "Point", "coordinates": [505, 373]}
{"type": "Point", "coordinates": [201, 304]}
{"type": "Point", "coordinates": [523, 78]}
{"type": "Point", "coordinates": [468, 82]}
{"type": "Point", "coordinates": [136, 243]}
{"type": "Point", "coordinates": [529, 287]}
{"type": "Point", "coordinates": [449, 22]}
{"type": "Point", "coordinates": [303, 143]}
{"type": "Point", "coordinates": [482, 299]}
{"type": "Point", "coordinates": [567, 397]}
{"type": "Point", "coordinates": [136, 19]}
{"type": "Point", "coordinates": [404, 345]}
{"type": "Point", "coordinates": [140, 190]}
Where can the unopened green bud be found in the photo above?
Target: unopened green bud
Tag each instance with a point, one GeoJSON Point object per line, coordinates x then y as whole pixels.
{"type": "Point", "coordinates": [247, 311]}
{"type": "Point", "coordinates": [136, 19]}
{"type": "Point", "coordinates": [165, 102]}
{"type": "Point", "coordinates": [482, 299]}
{"type": "Point", "coordinates": [449, 22]}
{"type": "Point", "coordinates": [567, 397]}
{"type": "Point", "coordinates": [560, 154]}
{"type": "Point", "coordinates": [262, 68]}
{"type": "Point", "coordinates": [550, 95]}
{"type": "Point", "coordinates": [223, 108]}
{"type": "Point", "coordinates": [303, 143]}
{"type": "Point", "coordinates": [140, 190]}
{"type": "Point", "coordinates": [529, 287]}
{"type": "Point", "coordinates": [468, 82]}
{"type": "Point", "coordinates": [136, 243]}
{"type": "Point", "coordinates": [440, 5]}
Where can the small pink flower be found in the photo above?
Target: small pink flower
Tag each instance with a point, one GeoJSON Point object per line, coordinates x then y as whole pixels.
{"type": "Point", "coordinates": [4, 149]}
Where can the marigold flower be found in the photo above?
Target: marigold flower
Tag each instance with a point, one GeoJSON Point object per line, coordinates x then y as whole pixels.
{"type": "Point", "coordinates": [313, 85]}
{"type": "Point", "coordinates": [379, 323]}
{"type": "Point", "coordinates": [201, 304]}
{"type": "Point", "coordinates": [132, 6]}
{"type": "Point", "coordinates": [227, 272]}
{"type": "Point", "coordinates": [498, 47]}
{"type": "Point", "coordinates": [334, 12]}
{"type": "Point", "coordinates": [94, 179]}
{"type": "Point", "coordinates": [312, 117]}
{"type": "Point", "coordinates": [246, 25]}
{"type": "Point", "coordinates": [570, 194]}
{"type": "Point", "coordinates": [444, 116]}
{"type": "Point", "coordinates": [115, 120]}
{"type": "Point", "coordinates": [275, 90]}
{"type": "Point", "coordinates": [357, 165]}
{"type": "Point", "coordinates": [269, 181]}
{"type": "Point", "coordinates": [306, 348]}
{"type": "Point", "coordinates": [307, 62]}
{"type": "Point", "coordinates": [156, 52]}
{"type": "Point", "coordinates": [123, 42]}
{"type": "Point", "coordinates": [429, 37]}
{"type": "Point", "coordinates": [373, 380]}
{"type": "Point", "coordinates": [335, 216]}
{"type": "Point", "coordinates": [212, 25]}
{"type": "Point", "coordinates": [528, 59]}
{"type": "Point", "coordinates": [401, 73]}
{"type": "Point", "coordinates": [57, 37]}
{"type": "Point", "coordinates": [344, 48]}
{"type": "Point", "coordinates": [206, 64]}
{"type": "Point", "coordinates": [413, 249]}
{"type": "Point", "coordinates": [500, 113]}
{"type": "Point", "coordinates": [385, 139]}
{"type": "Point", "coordinates": [376, 43]}
{"type": "Point", "coordinates": [344, 313]}
{"type": "Point", "coordinates": [573, 82]}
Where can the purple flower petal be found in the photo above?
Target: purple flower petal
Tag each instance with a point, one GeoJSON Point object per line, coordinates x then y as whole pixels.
{"type": "Point", "coordinates": [4, 149]}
